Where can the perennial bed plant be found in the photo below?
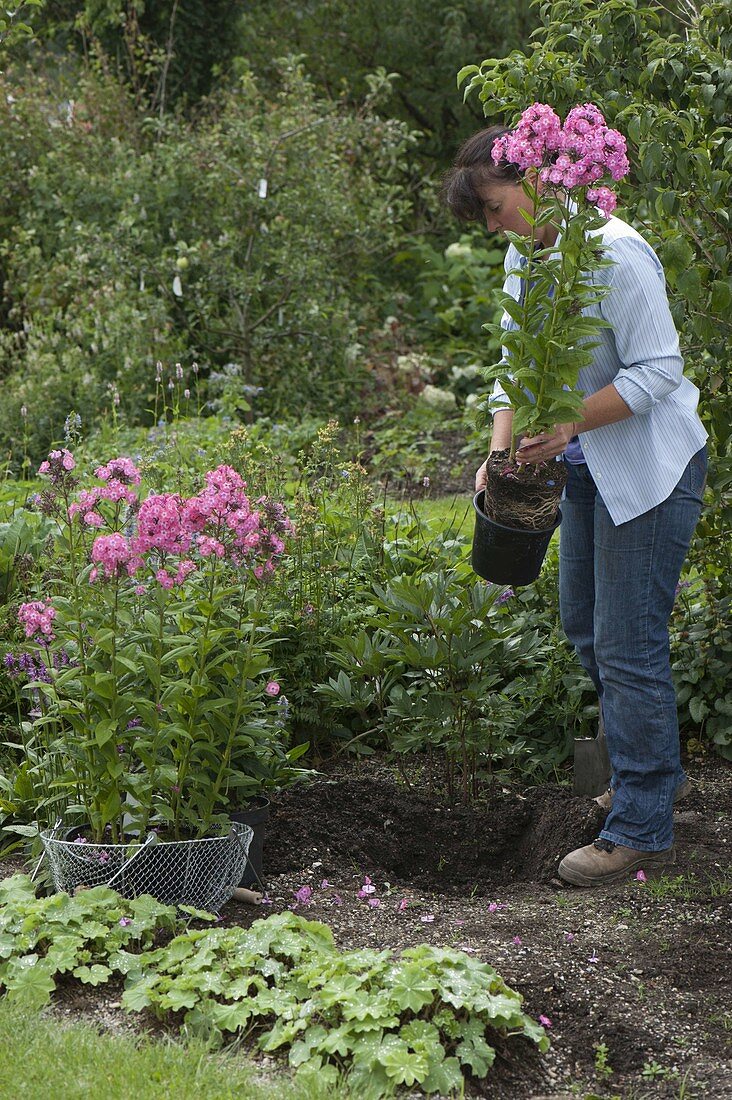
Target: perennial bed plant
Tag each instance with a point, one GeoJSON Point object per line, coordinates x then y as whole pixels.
{"type": "Point", "coordinates": [147, 664]}
{"type": "Point", "coordinates": [420, 1019]}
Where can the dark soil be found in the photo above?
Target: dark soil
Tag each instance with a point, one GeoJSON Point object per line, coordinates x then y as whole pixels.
{"type": "Point", "coordinates": [389, 830]}
{"type": "Point", "coordinates": [523, 494]}
{"type": "Point", "coordinates": [641, 971]}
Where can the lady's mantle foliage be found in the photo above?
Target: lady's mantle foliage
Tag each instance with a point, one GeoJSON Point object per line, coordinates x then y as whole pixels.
{"type": "Point", "coordinates": [421, 1019]}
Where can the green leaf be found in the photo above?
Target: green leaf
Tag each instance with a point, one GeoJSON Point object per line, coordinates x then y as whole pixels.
{"type": "Point", "coordinates": [93, 975]}
{"type": "Point", "coordinates": [29, 981]}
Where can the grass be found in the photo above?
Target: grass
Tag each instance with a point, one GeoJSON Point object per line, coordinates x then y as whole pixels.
{"type": "Point", "coordinates": [41, 1057]}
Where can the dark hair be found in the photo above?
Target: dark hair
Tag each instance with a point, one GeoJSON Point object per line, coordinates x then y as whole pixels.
{"type": "Point", "coordinates": [473, 167]}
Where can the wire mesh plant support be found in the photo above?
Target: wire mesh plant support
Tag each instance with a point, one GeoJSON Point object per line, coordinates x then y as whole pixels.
{"type": "Point", "coordinates": [202, 873]}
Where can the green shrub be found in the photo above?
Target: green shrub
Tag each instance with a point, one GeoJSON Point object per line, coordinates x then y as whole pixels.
{"type": "Point", "coordinates": [126, 242]}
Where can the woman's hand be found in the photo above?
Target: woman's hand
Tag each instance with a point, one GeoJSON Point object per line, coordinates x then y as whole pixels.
{"type": "Point", "coordinates": [540, 448]}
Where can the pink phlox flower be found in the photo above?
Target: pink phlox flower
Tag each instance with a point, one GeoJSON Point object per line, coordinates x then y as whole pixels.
{"type": "Point", "coordinates": [161, 525]}
{"type": "Point", "coordinates": [516, 941]}
{"type": "Point", "coordinates": [87, 499]}
{"type": "Point", "coordinates": [111, 552]}
{"type": "Point", "coordinates": [125, 921]}
{"type": "Point", "coordinates": [569, 937]}
{"type": "Point", "coordinates": [403, 904]}
{"type": "Point", "coordinates": [337, 899]}
{"type": "Point", "coordinates": [603, 198]}
{"type": "Point", "coordinates": [184, 568]}
{"type": "Point", "coordinates": [495, 906]}
{"type": "Point", "coordinates": [93, 519]}
{"type": "Point", "coordinates": [258, 572]}
{"type": "Point", "coordinates": [272, 688]}
{"type": "Point", "coordinates": [374, 903]}
{"type": "Point", "coordinates": [134, 564]}
{"type": "Point", "coordinates": [57, 462]}
{"type": "Point", "coordinates": [537, 136]}
{"type": "Point", "coordinates": [593, 958]}
{"type": "Point", "coordinates": [164, 579]}
{"type": "Point", "coordinates": [208, 546]}
{"type": "Point", "coordinates": [367, 888]}
{"type": "Point", "coordinates": [195, 514]}
{"type": "Point", "coordinates": [115, 491]}
{"type": "Point", "coordinates": [37, 618]}
{"type": "Point", "coordinates": [304, 896]}
{"type": "Point", "coordinates": [266, 900]}
{"type": "Point", "coordinates": [140, 590]}
{"type": "Point", "coordinates": [641, 876]}
{"type": "Point", "coordinates": [325, 885]}
{"type": "Point", "coordinates": [545, 1021]}
{"type": "Point", "coordinates": [226, 480]}
{"type": "Point", "coordinates": [122, 469]}
{"type": "Point", "coordinates": [427, 918]}
{"type": "Point", "coordinates": [80, 840]}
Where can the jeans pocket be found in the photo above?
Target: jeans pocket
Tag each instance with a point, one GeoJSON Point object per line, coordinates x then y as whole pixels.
{"type": "Point", "coordinates": [698, 472]}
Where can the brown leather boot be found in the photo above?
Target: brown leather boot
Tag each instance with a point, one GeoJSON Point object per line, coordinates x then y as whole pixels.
{"type": "Point", "coordinates": [606, 798]}
{"type": "Point", "coordinates": [603, 862]}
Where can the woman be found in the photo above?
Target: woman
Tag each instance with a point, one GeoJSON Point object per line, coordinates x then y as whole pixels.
{"type": "Point", "coordinates": [637, 467]}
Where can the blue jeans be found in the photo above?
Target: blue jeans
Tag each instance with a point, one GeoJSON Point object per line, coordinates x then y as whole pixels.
{"type": "Point", "coordinates": [616, 591]}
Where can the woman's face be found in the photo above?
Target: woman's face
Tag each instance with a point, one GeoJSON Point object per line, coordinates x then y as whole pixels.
{"type": "Point", "coordinates": [503, 204]}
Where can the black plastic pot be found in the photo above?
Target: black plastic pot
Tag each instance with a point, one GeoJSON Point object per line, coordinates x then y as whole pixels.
{"type": "Point", "coordinates": [507, 555]}
{"type": "Point", "coordinates": [256, 815]}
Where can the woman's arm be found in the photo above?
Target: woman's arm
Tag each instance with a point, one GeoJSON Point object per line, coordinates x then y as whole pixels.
{"type": "Point", "coordinates": [500, 440]}
{"type": "Point", "coordinates": [604, 407]}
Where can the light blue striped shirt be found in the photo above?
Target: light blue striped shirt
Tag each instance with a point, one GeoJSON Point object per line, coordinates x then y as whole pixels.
{"type": "Point", "coordinates": [637, 462]}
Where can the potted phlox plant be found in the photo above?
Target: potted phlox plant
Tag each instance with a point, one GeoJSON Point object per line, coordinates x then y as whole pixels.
{"type": "Point", "coordinates": [551, 319]}
{"type": "Point", "coordinates": [146, 662]}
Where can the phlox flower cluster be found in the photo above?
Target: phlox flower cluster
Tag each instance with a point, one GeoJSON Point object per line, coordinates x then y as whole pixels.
{"type": "Point", "coordinates": [37, 619]}
{"type": "Point", "coordinates": [579, 153]}
{"type": "Point", "coordinates": [217, 522]}
{"type": "Point", "coordinates": [169, 535]}
{"type": "Point", "coordinates": [58, 466]}
{"type": "Point", "coordinates": [118, 475]}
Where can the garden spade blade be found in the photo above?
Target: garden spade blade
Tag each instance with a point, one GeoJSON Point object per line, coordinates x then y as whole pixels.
{"type": "Point", "coordinates": [592, 769]}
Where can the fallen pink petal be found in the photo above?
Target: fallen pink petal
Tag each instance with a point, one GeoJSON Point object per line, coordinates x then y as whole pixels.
{"type": "Point", "coordinates": [641, 875]}
{"type": "Point", "coordinates": [516, 941]}
{"type": "Point", "coordinates": [545, 1021]}
{"type": "Point", "coordinates": [374, 903]}
{"type": "Point", "coordinates": [304, 896]}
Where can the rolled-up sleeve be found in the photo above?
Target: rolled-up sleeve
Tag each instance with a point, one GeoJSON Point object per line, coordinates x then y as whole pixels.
{"type": "Point", "coordinates": [646, 339]}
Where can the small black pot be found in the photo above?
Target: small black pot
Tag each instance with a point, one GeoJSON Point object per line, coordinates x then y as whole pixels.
{"type": "Point", "coordinates": [507, 555]}
{"type": "Point", "coordinates": [256, 815]}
